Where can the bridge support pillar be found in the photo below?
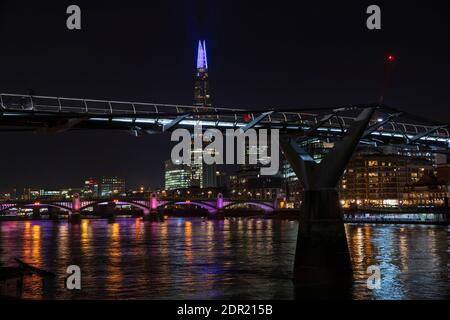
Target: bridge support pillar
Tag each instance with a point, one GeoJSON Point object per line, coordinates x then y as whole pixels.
{"type": "Point", "coordinates": [152, 214]}
{"type": "Point", "coordinates": [322, 260]}
{"type": "Point", "coordinates": [215, 215]}
{"type": "Point", "coordinates": [36, 212]}
{"type": "Point", "coordinates": [219, 204]}
{"type": "Point", "coordinates": [53, 213]}
{"type": "Point", "coordinates": [322, 265]}
{"type": "Point", "coordinates": [74, 215]}
{"type": "Point", "coordinates": [107, 211]}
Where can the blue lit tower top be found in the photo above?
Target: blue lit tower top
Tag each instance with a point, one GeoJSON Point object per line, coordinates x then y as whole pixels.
{"type": "Point", "coordinates": [202, 60]}
{"type": "Point", "coordinates": [201, 88]}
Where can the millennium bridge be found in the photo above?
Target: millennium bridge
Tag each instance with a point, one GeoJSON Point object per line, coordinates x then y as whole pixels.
{"type": "Point", "coordinates": [322, 259]}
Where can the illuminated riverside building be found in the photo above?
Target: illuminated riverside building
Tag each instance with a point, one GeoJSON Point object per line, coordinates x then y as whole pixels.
{"type": "Point", "coordinates": [378, 180]}
{"type": "Point", "coordinates": [200, 175]}
{"type": "Point", "coordinates": [90, 188]}
{"type": "Point", "coordinates": [375, 177]}
{"type": "Point", "coordinates": [111, 185]}
{"type": "Point", "coordinates": [180, 176]}
{"type": "Point", "coordinates": [176, 176]}
{"type": "Point", "coordinates": [428, 191]}
{"type": "Point", "coordinates": [70, 192]}
{"type": "Point", "coordinates": [9, 195]}
{"type": "Point", "coordinates": [6, 196]}
{"type": "Point", "coordinates": [31, 194]}
{"type": "Point", "coordinates": [317, 148]}
{"type": "Point", "coordinates": [49, 193]}
{"type": "Point", "coordinates": [247, 183]}
{"type": "Point", "coordinates": [34, 194]}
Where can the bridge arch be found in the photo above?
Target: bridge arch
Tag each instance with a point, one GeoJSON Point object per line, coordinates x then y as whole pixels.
{"type": "Point", "coordinates": [32, 205]}
{"type": "Point", "coordinates": [144, 208]}
{"type": "Point", "coordinates": [262, 205]}
{"type": "Point", "coordinates": [201, 204]}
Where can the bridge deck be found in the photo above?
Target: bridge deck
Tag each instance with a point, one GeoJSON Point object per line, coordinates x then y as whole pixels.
{"type": "Point", "coordinates": [24, 112]}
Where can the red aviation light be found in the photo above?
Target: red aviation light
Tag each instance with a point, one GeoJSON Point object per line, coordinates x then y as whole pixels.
{"type": "Point", "coordinates": [247, 117]}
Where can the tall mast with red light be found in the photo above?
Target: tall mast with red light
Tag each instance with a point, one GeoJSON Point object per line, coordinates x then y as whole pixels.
{"type": "Point", "coordinates": [388, 66]}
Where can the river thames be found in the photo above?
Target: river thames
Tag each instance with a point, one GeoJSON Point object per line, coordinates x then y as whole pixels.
{"type": "Point", "coordinates": [193, 258]}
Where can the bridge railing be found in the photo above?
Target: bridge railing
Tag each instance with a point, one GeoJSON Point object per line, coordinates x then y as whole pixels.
{"type": "Point", "coordinates": [93, 106]}
{"type": "Point", "coordinates": [111, 107]}
{"type": "Point", "coordinates": [231, 117]}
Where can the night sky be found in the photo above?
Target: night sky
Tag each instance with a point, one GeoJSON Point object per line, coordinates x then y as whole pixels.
{"type": "Point", "coordinates": [287, 54]}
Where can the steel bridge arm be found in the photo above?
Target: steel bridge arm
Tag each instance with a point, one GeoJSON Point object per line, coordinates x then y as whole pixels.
{"type": "Point", "coordinates": [331, 168]}
{"type": "Point", "coordinates": [321, 122]}
{"type": "Point", "coordinates": [324, 120]}
{"type": "Point", "coordinates": [301, 162]}
{"type": "Point", "coordinates": [421, 135]}
{"type": "Point", "coordinates": [174, 122]}
{"type": "Point", "coordinates": [325, 175]}
{"type": "Point", "coordinates": [257, 120]}
{"type": "Point", "coordinates": [379, 124]}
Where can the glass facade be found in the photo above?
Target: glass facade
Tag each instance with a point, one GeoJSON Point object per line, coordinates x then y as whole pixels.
{"type": "Point", "coordinates": [111, 186]}
{"type": "Point", "coordinates": [176, 176]}
{"type": "Point", "coordinates": [90, 188]}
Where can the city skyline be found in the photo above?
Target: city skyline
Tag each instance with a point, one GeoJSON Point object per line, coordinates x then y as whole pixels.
{"type": "Point", "coordinates": [246, 71]}
{"type": "Point", "coordinates": [202, 151]}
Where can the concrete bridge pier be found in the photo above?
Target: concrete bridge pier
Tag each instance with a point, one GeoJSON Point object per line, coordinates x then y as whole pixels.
{"type": "Point", "coordinates": [53, 213]}
{"type": "Point", "coordinates": [74, 215]}
{"type": "Point", "coordinates": [36, 212]}
{"type": "Point", "coordinates": [215, 215]}
{"type": "Point", "coordinates": [107, 210]}
{"type": "Point", "coordinates": [322, 259]}
{"type": "Point", "coordinates": [322, 265]}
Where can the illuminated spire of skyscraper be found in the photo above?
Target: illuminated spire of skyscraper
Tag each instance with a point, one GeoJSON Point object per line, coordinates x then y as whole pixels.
{"type": "Point", "coordinates": [201, 88]}
{"type": "Point", "coordinates": [202, 60]}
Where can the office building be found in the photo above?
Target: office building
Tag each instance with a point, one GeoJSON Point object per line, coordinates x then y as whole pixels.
{"type": "Point", "coordinates": [111, 186]}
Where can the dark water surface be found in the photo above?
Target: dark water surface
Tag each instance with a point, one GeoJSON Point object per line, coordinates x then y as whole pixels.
{"type": "Point", "coordinates": [192, 258]}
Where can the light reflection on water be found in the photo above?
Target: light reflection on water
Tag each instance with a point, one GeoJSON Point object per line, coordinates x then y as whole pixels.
{"type": "Point", "coordinates": [414, 260]}
{"type": "Point", "coordinates": [201, 259]}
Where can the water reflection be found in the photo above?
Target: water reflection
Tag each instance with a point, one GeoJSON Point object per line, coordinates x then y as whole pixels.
{"type": "Point", "coordinates": [85, 237]}
{"type": "Point", "coordinates": [413, 261]}
{"type": "Point", "coordinates": [202, 259]}
{"type": "Point", "coordinates": [113, 263]}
